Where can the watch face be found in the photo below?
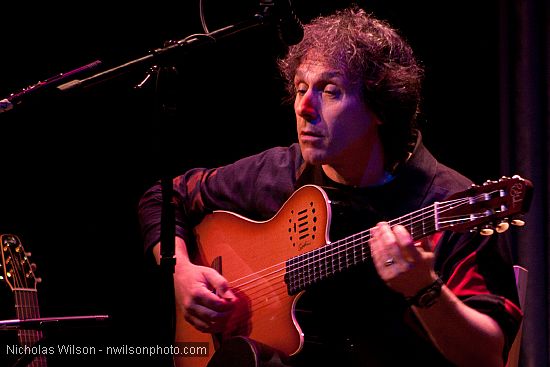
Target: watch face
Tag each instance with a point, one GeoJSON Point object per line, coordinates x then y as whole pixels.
{"type": "Point", "coordinates": [428, 298]}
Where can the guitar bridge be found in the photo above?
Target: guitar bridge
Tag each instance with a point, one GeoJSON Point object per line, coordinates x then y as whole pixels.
{"type": "Point", "coordinates": [217, 264]}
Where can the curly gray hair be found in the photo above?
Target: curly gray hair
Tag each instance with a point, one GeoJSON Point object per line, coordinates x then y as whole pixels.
{"type": "Point", "coordinates": [372, 53]}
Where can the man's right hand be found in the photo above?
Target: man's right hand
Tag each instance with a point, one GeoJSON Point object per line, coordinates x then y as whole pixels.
{"type": "Point", "coordinates": [204, 297]}
{"type": "Point", "coordinates": [202, 294]}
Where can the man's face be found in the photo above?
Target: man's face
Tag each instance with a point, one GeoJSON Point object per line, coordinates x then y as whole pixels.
{"type": "Point", "coordinates": [333, 122]}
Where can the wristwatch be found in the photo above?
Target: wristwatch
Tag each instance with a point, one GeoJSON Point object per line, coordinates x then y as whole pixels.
{"type": "Point", "coordinates": [427, 296]}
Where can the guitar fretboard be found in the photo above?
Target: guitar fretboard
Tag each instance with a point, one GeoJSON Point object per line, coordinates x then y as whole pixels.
{"type": "Point", "coordinates": [309, 268]}
{"type": "Point", "coordinates": [26, 307]}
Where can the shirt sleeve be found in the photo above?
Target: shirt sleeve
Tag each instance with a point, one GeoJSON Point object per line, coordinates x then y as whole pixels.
{"type": "Point", "coordinates": [254, 187]}
{"type": "Point", "coordinates": [479, 270]}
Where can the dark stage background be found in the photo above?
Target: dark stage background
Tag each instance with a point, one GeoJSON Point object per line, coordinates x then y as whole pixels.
{"type": "Point", "coordinates": [74, 166]}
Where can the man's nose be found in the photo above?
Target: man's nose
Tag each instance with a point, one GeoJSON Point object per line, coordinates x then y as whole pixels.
{"type": "Point", "coordinates": [305, 107]}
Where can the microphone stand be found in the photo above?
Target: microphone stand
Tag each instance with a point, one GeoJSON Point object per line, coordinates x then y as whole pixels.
{"type": "Point", "coordinates": [272, 12]}
{"type": "Point", "coordinates": [166, 103]}
{"type": "Point", "coordinates": [269, 14]}
{"type": "Point", "coordinates": [174, 48]}
{"type": "Point", "coordinates": [157, 60]}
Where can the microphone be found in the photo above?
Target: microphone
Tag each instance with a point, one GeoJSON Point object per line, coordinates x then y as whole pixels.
{"type": "Point", "coordinates": [41, 87]}
{"type": "Point", "coordinates": [291, 30]}
{"type": "Point", "coordinates": [289, 27]}
{"type": "Point", "coordinates": [5, 105]}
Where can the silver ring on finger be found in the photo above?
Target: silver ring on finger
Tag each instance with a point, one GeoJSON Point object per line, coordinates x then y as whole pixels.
{"type": "Point", "coordinates": [389, 262]}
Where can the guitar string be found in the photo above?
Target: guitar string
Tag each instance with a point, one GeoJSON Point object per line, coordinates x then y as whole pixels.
{"type": "Point", "coordinates": [284, 263]}
{"type": "Point", "coordinates": [29, 305]}
{"type": "Point", "coordinates": [283, 288]}
{"type": "Point", "coordinates": [342, 242]}
{"type": "Point", "coordinates": [272, 287]}
{"type": "Point", "coordinates": [21, 311]}
{"type": "Point", "coordinates": [272, 291]}
{"type": "Point", "coordinates": [330, 253]}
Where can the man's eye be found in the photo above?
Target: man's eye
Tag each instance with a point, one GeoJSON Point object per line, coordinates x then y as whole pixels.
{"type": "Point", "coordinates": [331, 92]}
{"type": "Point", "coordinates": [301, 91]}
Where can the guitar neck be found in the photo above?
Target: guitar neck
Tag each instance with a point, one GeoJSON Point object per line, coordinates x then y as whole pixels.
{"type": "Point", "coordinates": [26, 304]}
{"type": "Point", "coordinates": [26, 307]}
{"type": "Point", "coordinates": [311, 267]}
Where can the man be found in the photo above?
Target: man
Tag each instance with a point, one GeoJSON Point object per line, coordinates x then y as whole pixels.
{"type": "Point", "coordinates": [356, 87]}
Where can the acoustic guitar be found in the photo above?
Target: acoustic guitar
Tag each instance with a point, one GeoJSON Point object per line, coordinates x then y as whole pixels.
{"type": "Point", "coordinates": [19, 275]}
{"type": "Point", "coordinates": [269, 264]}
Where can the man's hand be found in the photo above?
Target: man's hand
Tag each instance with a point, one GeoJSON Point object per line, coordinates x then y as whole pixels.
{"type": "Point", "coordinates": [204, 296]}
{"type": "Point", "coordinates": [405, 266]}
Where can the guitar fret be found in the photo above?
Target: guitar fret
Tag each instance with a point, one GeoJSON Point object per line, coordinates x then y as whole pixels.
{"type": "Point", "coordinates": [26, 307]}
{"type": "Point", "coordinates": [338, 261]}
{"type": "Point", "coordinates": [423, 221]}
{"type": "Point", "coordinates": [349, 255]}
{"type": "Point", "coordinates": [417, 226]}
{"type": "Point", "coordinates": [323, 268]}
{"type": "Point", "coordinates": [410, 226]}
{"type": "Point", "coordinates": [328, 260]}
{"type": "Point", "coordinates": [365, 250]}
{"type": "Point", "coordinates": [301, 274]}
{"type": "Point", "coordinates": [307, 269]}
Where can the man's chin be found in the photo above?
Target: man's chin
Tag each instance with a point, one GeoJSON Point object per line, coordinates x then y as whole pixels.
{"type": "Point", "coordinates": [314, 157]}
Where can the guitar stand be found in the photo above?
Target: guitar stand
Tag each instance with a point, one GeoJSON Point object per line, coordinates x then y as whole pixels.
{"type": "Point", "coordinates": [241, 351]}
{"type": "Point", "coordinates": [46, 322]}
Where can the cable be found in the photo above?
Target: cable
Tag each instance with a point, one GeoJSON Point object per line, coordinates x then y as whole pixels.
{"type": "Point", "coordinates": [203, 20]}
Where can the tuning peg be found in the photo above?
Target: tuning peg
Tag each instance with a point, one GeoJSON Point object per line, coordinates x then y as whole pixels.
{"type": "Point", "coordinates": [486, 231]}
{"type": "Point", "coordinates": [502, 227]}
{"type": "Point", "coordinates": [38, 280]}
{"type": "Point", "coordinates": [33, 266]}
{"type": "Point", "coordinates": [28, 254]}
{"type": "Point", "coordinates": [518, 222]}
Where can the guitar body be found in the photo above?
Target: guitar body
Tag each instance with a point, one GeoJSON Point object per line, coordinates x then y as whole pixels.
{"type": "Point", "coordinates": [251, 255]}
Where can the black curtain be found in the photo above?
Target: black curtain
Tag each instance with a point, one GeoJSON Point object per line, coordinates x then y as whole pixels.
{"type": "Point", "coordinates": [525, 132]}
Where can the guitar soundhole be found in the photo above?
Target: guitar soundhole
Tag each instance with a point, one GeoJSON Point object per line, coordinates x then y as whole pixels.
{"type": "Point", "coordinates": [302, 228]}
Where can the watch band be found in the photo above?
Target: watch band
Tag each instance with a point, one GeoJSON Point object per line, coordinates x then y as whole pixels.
{"type": "Point", "coordinates": [427, 296]}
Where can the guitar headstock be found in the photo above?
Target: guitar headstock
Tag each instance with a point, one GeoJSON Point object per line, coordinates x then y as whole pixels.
{"type": "Point", "coordinates": [487, 207]}
{"type": "Point", "coordinates": [16, 269]}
